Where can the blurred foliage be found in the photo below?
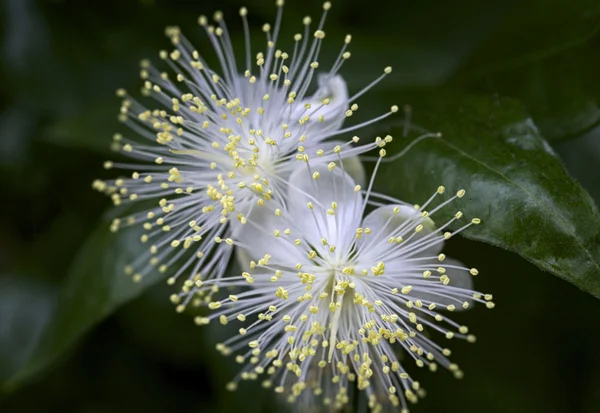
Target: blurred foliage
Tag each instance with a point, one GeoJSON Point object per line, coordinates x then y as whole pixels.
{"type": "Point", "coordinates": [93, 289]}
{"type": "Point", "coordinates": [500, 79]}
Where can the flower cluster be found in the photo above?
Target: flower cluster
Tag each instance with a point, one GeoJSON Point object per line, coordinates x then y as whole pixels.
{"type": "Point", "coordinates": [338, 281]}
{"type": "Point", "coordinates": [219, 144]}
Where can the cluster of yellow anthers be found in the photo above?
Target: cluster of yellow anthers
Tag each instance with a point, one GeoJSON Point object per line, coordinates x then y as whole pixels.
{"type": "Point", "coordinates": [222, 143]}
{"type": "Point", "coordinates": [329, 298]}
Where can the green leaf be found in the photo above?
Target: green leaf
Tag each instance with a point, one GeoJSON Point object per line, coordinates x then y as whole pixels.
{"type": "Point", "coordinates": [95, 288]}
{"type": "Point", "coordinates": [515, 183]}
{"type": "Point", "coordinates": [26, 306]}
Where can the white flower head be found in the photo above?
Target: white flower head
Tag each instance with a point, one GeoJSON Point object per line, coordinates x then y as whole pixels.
{"type": "Point", "coordinates": [221, 142]}
{"type": "Point", "coordinates": [333, 298]}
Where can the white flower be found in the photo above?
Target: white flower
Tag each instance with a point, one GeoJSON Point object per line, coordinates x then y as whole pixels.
{"type": "Point", "coordinates": [331, 297]}
{"type": "Point", "coordinates": [221, 142]}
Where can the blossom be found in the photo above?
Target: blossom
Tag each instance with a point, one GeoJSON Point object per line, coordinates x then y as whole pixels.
{"type": "Point", "coordinates": [332, 296]}
{"type": "Point", "coordinates": [220, 143]}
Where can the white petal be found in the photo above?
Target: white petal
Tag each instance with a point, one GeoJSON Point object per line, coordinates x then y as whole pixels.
{"type": "Point", "coordinates": [385, 223]}
{"type": "Point", "coordinates": [458, 279]}
{"type": "Point", "coordinates": [243, 259]}
{"type": "Point", "coordinates": [332, 189]}
{"type": "Point", "coordinates": [354, 167]}
{"type": "Point", "coordinates": [333, 88]}
{"type": "Point", "coordinates": [258, 238]}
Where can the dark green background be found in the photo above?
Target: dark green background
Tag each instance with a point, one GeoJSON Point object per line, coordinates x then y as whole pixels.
{"type": "Point", "coordinates": [63, 60]}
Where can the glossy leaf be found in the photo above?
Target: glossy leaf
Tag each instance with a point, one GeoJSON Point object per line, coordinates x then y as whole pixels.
{"type": "Point", "coordinates": [95, 287]}
{"type": "Point", "coordinates": [514, 181]}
